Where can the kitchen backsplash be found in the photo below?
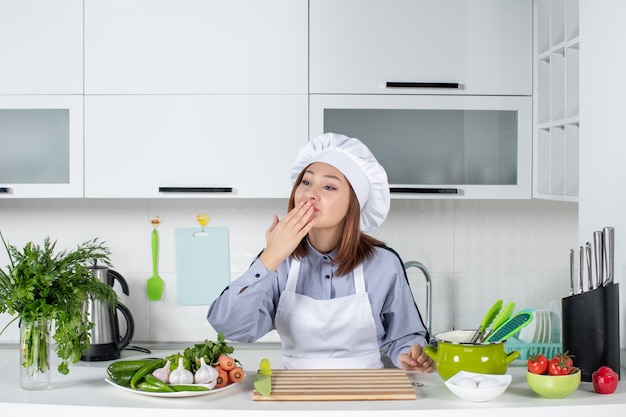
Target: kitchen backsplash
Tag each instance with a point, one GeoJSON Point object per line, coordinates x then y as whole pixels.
{"type": "Point", "coordinates": [477, 251]}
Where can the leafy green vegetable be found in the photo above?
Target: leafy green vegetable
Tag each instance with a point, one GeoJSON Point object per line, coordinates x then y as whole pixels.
{"type": "Point", "coordinates": [41, 285]}
{"type": "Point", "coordinates": [208, 350]}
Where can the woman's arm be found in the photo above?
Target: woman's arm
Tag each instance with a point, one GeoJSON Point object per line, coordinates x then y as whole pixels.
{"type": "Point", "coordinates": [245, 310]}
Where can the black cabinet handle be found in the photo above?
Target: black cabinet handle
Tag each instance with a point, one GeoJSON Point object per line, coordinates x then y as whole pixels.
{"type": "Point", "coordinates": [404, 84]}
{"type": "Point", "coordinates": [195, 189]}
{"type": "Point", "coordinates": [411, 190]}
{"type": "Point", "coordinates": [5, 190]}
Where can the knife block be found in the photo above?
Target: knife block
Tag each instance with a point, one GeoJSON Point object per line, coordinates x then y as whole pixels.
{"type": "Point", "coordinates": [590, 329]}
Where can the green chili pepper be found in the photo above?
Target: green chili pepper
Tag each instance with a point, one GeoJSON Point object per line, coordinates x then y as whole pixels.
{"type": "Point", "coordinates": [180, 388]}
{"type": "Point", "coordinates": [152, 380]}
{"type": "Point", "coordinates": [146, 387]}
{"type": "Point", "coordinates": [145, 370]}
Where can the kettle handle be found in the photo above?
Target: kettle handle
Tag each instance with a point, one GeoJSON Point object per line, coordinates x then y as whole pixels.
{"type": "Point", "coordinates": [123, 341]}
{"type": "Point", "coordinates": [114, 275]}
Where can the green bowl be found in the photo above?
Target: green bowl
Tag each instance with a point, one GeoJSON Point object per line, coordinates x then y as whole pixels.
{"type": "Point", "coordinates": [553, 386]}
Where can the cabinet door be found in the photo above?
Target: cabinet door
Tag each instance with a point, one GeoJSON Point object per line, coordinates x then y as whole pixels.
{"type": "Point", "coordinates": [41, 146]}
{"type": "Point", "coordinates": [485, 46]}
{"type": "Point", "coordinates": [192, 145]}
{"type": "Point", "coordinates": [438, 146]}
{"type": "Point", "coordinates": [41, 46]}
{"type": "Point", "coordinates": [196, 46]}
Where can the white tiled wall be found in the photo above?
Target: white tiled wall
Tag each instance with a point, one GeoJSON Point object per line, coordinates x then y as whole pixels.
{"type": "Point", "coordinates": [477, 251]}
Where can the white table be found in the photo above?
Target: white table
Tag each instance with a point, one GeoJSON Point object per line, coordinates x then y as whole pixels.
{"type": "Point", "coordinates": [84, 392]}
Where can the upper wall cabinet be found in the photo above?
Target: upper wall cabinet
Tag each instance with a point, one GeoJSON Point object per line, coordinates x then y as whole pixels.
{"type": "Point", "coordinates": [196, 47]}
{"type": "Point", "coordinates": [41, 47]}
{"type": "Point", "coordinates": [41, 146]}
{"type": "Point", "coordinates": [438, 146]}
{"type": "Point", "coordinates": [180, 146]}
{"type": "Point", "coordinates": [556, 138]}
{"type": "Point", "coordinates": [477, 47]}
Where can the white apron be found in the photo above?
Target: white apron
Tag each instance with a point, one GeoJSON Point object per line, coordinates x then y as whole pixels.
{"type": "Point", "coordinates": [337, 333]}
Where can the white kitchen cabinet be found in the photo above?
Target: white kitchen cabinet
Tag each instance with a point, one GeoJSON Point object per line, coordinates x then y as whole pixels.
{"type": "Point", "coordinates": [196, 46]}
{"type": "Point", "coordinates": [443, 147]}
{"type": "Point", "coordinates": [41, 46]}
{"type": "Point", "coordinates": [358, 46]}
{"type": "Point", "coordinates": [179, 146]}
{"type": "Point", "coordinates": [41, 146]}
{"type": "Point", "coordinates": [556, 104]}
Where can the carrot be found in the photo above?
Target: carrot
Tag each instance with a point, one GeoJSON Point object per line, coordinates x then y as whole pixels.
{"type": "Point", "coordinates": [236, 374]}
{"type": "Point", "coordinates": [222, 378]}
{"type": "Point", "coordinates": [226, 362]}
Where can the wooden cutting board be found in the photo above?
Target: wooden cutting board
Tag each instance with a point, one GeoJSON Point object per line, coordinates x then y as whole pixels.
{"type": "Point", "coordinates": [338, 385]}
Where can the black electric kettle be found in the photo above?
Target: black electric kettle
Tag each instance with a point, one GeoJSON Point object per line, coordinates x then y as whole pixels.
{"type": "Point", "coordinates": [106, 342]}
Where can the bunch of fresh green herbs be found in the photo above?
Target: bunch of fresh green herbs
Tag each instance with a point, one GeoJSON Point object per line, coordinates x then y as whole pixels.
{"type": "Point", "coordinates": [209, 350]}
{"type": "Point", "coordinates": [41, 285]}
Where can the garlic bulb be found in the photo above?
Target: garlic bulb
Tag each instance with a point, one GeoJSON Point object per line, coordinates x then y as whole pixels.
{"type": "Point", "coordinates": [205, 374]}
{"type": "Point", "coordinates": [180, 375]}
{"type": "Point", "coordinates": [163, 374]}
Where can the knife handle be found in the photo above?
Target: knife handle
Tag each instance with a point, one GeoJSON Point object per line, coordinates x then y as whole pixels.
{"type": "Point", "coordinates": [608, 234]}
{"type": "Point", "coordinates": [581, 269]}
{"type": "Point", "coordinates": [589, 268]}
{"type": "Point", "coordinates": [571, 272]}
{"type": "Point", "coordinates": [598, 240]}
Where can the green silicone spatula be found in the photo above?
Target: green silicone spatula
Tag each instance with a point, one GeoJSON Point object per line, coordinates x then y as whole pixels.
{"type": "Point", "coordinates": [491, 314]}
{"type": "Point", "coordinates": [154, 286]}
{"type": "Point", "coordinates": [511, 326]}
{"type": "Point", "coordinates": [503, 316]}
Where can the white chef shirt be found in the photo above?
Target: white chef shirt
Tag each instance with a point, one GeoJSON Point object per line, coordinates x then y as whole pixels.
{"type": "Point", "coordinates": [247, 315]}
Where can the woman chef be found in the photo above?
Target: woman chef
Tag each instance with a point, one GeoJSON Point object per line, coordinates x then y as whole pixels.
{"type": "Point", "coordinates": [336, 296]}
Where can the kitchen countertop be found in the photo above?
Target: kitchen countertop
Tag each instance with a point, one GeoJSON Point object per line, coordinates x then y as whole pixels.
{"type": "Point", "coordinates": [84, 391]}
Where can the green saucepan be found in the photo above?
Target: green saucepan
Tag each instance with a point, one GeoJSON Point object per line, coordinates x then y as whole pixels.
{"type": "Point", "coordinates": [453, 352]}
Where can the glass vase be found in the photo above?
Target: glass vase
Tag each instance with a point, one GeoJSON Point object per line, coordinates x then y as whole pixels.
{"type": "Point", "coordinates": [35, 354]}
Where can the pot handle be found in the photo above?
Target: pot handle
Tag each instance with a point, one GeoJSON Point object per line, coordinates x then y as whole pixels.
{"type": "Point", "coordinates": [123, 341]}
{"type": "Point", "coordinates": [511, 357]}
{"type": "Point", "coordinates": [431, 352]}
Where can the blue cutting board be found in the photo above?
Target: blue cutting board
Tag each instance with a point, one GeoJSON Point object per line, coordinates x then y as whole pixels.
{"type": "Point", "coordinates": [202, 264]}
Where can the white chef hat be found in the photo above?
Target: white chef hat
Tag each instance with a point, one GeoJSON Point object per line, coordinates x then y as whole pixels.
{"type": "Point", "coordinates": [350, 156]}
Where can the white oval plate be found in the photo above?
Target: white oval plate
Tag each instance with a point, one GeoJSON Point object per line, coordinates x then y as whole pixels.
{"type": "Point", "coordinates": [539, 329]}
{"type": "Point", "coordinates": [555, 319]}
{"type": "Point", "coordinates": [177, 394]}
{"type": "Point", "coordinates": [548, 328]}
{"type": "Point", "coordinates": [527, 333]}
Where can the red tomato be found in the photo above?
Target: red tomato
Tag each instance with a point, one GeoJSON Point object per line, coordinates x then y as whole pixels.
{"type": "Point", "coordinates": [561, 364]}
{"type": "Point", "coordinates": [566, 358]}
{"type": "Point", "coordinates": [605, 380]}
{"type": "Point", "coordinates": [538, 364]}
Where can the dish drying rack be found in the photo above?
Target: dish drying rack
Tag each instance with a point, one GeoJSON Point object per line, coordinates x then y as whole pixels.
{"type": "Point", "coordinates": [527, 349]}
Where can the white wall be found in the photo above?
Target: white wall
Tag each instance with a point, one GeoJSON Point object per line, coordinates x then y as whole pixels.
{"type": "Point", "coordinates": [602, 139]}
{"type": "Point", "coordinates": [477, 251]}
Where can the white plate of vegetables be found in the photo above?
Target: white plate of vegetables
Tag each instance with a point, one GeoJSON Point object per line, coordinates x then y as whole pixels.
{"type": "Point", "coordinates": [185, 374]}
{"type": "Point", "coordinates": [176, 394]}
